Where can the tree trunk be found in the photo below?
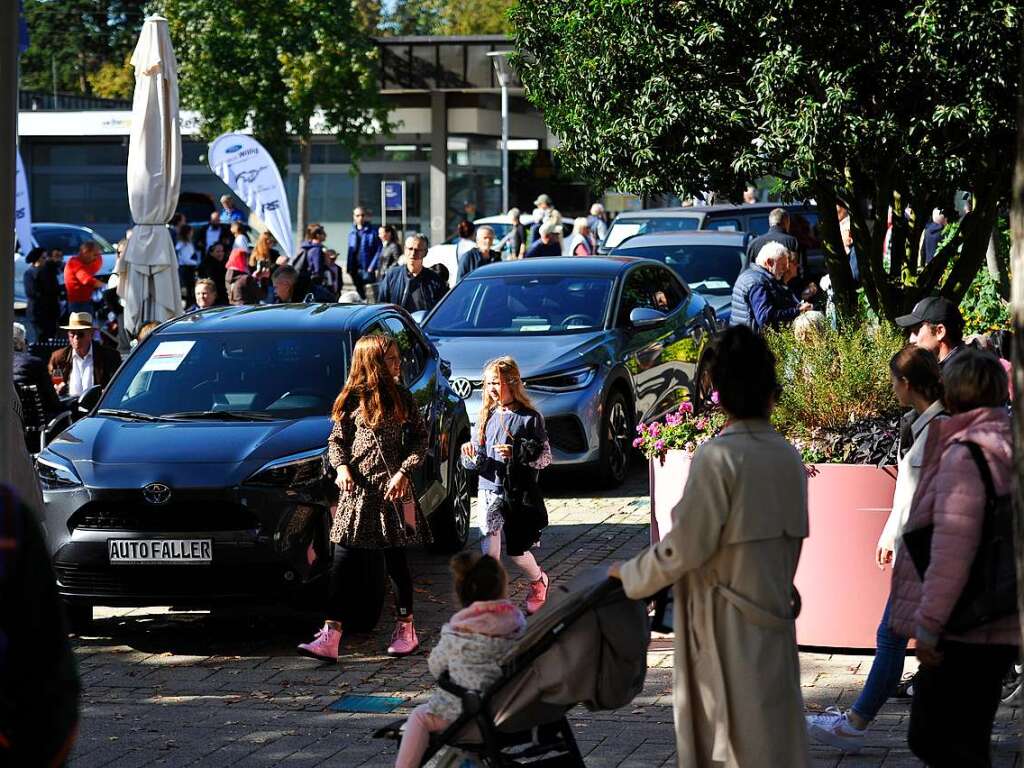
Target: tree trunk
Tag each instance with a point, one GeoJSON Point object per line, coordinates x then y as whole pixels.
{"type": "Point", "coordinates": [996, 268]}
{"type": "Point", "coordinates": [302, 205]}
{"type": "Point", "coordinates": [1017, 270]}
{"type": "Point", "coordinates": [837, 262]}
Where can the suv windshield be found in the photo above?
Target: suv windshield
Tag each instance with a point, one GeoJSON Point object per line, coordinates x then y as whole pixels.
{"type": "Point", "coordinates": [230, 376]}
{"type": "Point", "coordinates": [523, 304]}
{"type": "Point", "coordinates": [709, 269]}
{"type": "Point", "coordinates": [622, 227]}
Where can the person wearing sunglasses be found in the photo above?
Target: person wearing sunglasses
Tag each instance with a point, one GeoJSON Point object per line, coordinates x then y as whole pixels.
{"type": "Point", "coordinates": [412, 287]}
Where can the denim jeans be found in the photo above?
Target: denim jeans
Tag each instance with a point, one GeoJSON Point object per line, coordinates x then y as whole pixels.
{"type": "Point", "coordinates": [886, 669]}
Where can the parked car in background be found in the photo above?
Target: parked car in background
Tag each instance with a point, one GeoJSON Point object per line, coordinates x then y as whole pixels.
{"type": "Point", "coordinates": [601, 343]}
{"type": "Point", "coordinates": [708, 261]}
{"type": "Point", "coordinates": [732, 218]}
{"type": "Point", "coordinates": [200, 473]}
{"type": "Point", "coordinates": [67, 238]}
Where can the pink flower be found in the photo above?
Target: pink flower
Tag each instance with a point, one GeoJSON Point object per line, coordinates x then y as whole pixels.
{"type": "Point", "coordinates": [673, 419]}
{"type": "Point", "coordinates": [714, 397]}
{"type": "Point", "coordinates": [641, 427]}
{"type": "Point", "coordinates": [686, 407]}
{"type": "Point", "coordinates": [655, 429]}
{"type": "Point", "coordinates": [638, 442]}
{"type": "Point", "coordinates": [659, 446]}
{"type": "Point", "coordinates": [702, 423]}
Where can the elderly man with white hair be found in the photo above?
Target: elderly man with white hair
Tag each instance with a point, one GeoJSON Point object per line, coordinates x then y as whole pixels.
{"type": "Point", "coordinates": [598, 224]}
{"type": "Point", "coordinates": [479, 255]}
{"type": "Point", "coordinates": [27, 369]}
{"type": "Point", "coordinates": [759, 298]}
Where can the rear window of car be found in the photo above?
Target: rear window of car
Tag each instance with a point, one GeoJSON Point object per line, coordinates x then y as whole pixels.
{"type": "Point", "coordinates": [623, 228]}
{"type": "Point", "coordinates": [68, 239]}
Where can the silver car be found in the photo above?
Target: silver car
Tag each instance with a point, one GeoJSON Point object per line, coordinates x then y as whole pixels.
{"type": "Point", "coordinates": [65, 238]}
{"type": "Point", "coordinates": [600, 342]}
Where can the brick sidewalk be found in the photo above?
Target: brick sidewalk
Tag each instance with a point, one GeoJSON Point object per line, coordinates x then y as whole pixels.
{"type": "Point", "coordinates": [176, 689]}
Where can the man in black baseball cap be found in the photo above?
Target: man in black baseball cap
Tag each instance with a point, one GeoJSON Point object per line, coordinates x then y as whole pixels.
{"type": "Point", "coordinates": [935, 324]}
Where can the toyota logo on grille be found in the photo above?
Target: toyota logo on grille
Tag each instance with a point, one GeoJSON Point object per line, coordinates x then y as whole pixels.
{"type": "Point", "coordinates": [156, 493]}
{"type": "Point", "coordinates": [462, 387]}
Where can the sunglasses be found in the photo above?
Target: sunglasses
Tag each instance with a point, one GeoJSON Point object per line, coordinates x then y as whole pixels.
{"type": "Point", "coordinates": [80, 333]}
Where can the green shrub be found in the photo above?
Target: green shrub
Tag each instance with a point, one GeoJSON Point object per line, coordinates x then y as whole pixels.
{"type": "Point", "coordinates": [838, 379]}
{"type": "Point", "coordinates": [982, 307]}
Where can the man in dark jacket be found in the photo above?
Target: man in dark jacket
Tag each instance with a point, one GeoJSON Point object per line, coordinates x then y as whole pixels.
{"type": "Point", "coordinates": [477, 257]}
{"type": "Point", "coordinates": [778, 232]}
{"type": "Point", "coordinates": [933, 235]}
{"type": "Point", "coordinates": [363, 247]}
{"type": "Point", "coordinates": [759, 298]}
{"type": "Point", "coordinates": [413, 287]}
{"type": "Point", "coordinates": [29, 369]}
{"type": "Point", "coordinates": [42, 290]}
{"type": "Point", "coordinates": [83, 364]}
{"type": "Point", "coordinates": [204, 237]}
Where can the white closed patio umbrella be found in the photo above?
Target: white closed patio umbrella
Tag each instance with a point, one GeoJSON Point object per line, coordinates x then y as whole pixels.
{"type": "Point", "coordinates": [148, 270]}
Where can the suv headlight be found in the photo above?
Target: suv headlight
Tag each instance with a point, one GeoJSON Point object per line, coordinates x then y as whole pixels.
{"type": "Point", "coordinates": [55, 473]}
{"type": "Point", "coordinates": [566, 381]}
{"type": "Point", "coordinates": [298, 469]}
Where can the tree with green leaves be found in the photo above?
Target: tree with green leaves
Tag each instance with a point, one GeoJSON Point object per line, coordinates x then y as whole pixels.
{"type": "Point", "coordinates": [447, 17]}
{"type": "Point", "coordinates": [871, 105]}
{"type": "Point", "coordinates": [280, 68]}
{"type": "Point", "coordinates": [70, 41]}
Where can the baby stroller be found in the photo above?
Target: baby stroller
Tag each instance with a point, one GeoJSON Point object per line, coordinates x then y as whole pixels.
{"type": "Point", "coordinates": [587, 645]}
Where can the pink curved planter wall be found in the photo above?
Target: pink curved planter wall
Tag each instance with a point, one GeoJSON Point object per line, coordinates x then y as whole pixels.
{"type": "Point", "coordinates": [843, 591]}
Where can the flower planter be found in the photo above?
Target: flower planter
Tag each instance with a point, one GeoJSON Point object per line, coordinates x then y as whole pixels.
{"type": "Point", "coordinates": [842, 589]}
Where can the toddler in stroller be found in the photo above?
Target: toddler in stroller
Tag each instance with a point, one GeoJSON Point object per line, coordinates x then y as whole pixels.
{"type": "Point", "coordinates": [588, 646]}
{"type": "Point", "coordinates": [471, 645]}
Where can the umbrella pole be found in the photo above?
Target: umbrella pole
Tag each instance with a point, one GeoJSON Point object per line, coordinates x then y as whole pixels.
{"type": "Point", "coordinates": [8, 142]}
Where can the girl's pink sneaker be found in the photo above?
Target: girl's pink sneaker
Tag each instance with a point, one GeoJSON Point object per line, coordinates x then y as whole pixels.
{"type": "Point", "coordinates": [403, 640]}
{"type": "Point", "coordinates": [538, 594]}
{"type": "Point", "coordinates": [324, 646]}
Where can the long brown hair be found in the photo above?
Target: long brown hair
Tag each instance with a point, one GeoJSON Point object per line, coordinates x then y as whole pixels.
{"type": "Point", "coordinates": [262, 251]}
{"type": "Point", "coordinates": [370, 384]}
{"type": "Point", "coordinates": [508, 370]}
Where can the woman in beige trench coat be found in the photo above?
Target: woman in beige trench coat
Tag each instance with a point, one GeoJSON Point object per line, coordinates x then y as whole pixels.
{"type": "Point", "coordinates": [731, 556]}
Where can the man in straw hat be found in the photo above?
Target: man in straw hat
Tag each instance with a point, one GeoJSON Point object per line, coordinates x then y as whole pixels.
{"type": "Point", "coordinates": [82, 364]}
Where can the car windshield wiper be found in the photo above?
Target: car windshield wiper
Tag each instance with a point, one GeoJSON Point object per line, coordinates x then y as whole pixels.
{"type": "Point", "coordinates": [134, 415]}
{"type": "Point", "coordinates": [221, 415]}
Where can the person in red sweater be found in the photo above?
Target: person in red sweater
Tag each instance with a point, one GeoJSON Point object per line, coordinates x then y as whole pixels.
{"type": "Point", "coordinates": [80, 276]}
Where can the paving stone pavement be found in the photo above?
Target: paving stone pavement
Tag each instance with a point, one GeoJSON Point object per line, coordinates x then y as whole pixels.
{"type": "Point", "coordinates": [171, 688]}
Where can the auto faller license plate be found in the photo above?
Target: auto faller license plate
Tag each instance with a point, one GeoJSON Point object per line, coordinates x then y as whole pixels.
{"type": "Point", "coordinates": [160, 551]}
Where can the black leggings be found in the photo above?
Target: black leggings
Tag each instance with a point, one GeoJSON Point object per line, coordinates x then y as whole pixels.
{"type": "Point", "coordinates": [351, 569]}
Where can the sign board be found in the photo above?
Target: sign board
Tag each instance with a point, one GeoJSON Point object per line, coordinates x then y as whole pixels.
{"type": "Point", "coordinates": [392, 198]}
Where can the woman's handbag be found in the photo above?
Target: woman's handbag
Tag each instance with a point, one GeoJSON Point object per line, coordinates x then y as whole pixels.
{"type": "Point", "coordinates": [406, 506]}
{"type": "Point", "coordinates": [991, 589]}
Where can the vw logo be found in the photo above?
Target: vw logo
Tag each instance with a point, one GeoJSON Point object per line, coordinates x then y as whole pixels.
{"type": "Point", "coordinates": [462, 387]}
{"type": "Point", "coordinates": [156, 493]}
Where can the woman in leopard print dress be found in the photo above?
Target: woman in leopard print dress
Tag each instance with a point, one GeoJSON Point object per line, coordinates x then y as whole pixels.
{"type": "Point", "coordinates": [378, 439]}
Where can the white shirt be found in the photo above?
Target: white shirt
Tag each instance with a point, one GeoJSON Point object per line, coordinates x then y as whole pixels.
{"type": "Point", "coordinates": [187, 256]}
{"type": "Point", "coordinates": [241, 242]}
{"type": "Point", "coordinates": [81, 373]}
{"type": "Point", "coordinates": [212, 236]}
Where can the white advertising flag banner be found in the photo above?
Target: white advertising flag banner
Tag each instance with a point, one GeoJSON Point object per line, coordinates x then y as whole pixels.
{"type": "Point", "coordinates": [244, 165]}
{"type": "Point", "coordinates": [22, 210]}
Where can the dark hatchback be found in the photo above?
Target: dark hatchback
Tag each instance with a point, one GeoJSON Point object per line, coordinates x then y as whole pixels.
{"type": "Point", "coordinates": [200, 474]}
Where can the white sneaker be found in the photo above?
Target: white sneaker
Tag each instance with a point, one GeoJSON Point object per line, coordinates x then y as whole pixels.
{"type": "Point", "coordinates": [833, 728]}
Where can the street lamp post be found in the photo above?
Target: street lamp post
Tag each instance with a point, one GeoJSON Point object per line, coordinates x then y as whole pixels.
{"type": "Point", "coordinates": [504, 75]}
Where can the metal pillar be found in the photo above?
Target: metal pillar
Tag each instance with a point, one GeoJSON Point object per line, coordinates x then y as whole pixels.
{"type": "Point", "coordinates": [503, 73]}
{"type": "Point", "coordinates": [8, 142]}
{"type": "Point", "coordinates": [438, 166]}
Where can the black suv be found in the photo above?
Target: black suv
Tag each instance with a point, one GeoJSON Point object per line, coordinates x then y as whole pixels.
{"type": "Point", "coordinates": [200, 472]}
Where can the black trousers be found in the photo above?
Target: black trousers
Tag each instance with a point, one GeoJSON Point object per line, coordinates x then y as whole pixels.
{"type": "Point", "coordinates": [356, 584]}
{"type": "Point", "coordinates": [358, 282]}
{"type": "Point", "coordinates": [955, 705]}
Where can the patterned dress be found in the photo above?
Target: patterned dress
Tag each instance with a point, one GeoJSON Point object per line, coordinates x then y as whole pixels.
{"type": "Point", "coordinates": [364, 519]}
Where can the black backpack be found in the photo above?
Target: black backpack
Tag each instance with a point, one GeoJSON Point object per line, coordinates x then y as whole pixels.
{"type": "Point", "coordinates": [991, 589]}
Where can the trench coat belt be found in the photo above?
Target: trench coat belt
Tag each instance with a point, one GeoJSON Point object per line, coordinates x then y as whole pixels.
{"type": "Point", "coordinates": [716, 703]}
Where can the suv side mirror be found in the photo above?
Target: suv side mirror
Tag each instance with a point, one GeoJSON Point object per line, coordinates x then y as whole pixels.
{"type": "Point", "coordinates": [446, 368]}
{"type": "Point", "coordinates": [645, 317]}
{"type": "Point", "coordinates": [88, 399]}
{"type": "Point", "coordinates": [419, 316]}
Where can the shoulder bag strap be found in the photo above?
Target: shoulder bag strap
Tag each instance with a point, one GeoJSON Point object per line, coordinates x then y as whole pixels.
{"type": "Point", "coordinates": [986, 474]}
